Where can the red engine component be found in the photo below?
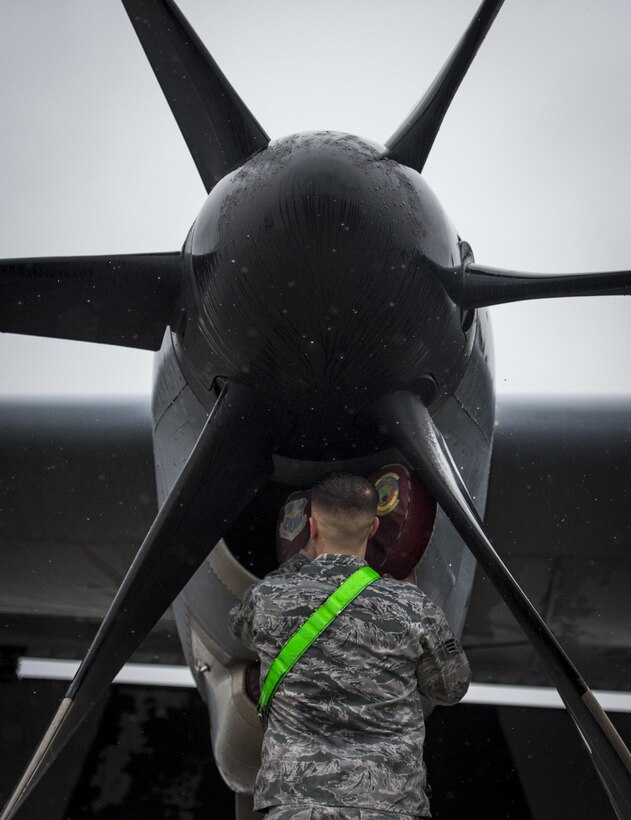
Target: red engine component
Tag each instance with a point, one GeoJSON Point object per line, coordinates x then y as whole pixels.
{"type": "Point", "coordinates": [406, 511]}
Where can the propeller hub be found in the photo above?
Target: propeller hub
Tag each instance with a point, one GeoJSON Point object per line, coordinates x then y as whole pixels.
{"type": "Point", "coordinates": [314, 275]}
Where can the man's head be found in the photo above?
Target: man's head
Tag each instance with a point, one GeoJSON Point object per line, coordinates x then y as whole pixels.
{"type": "Point", "coordinates": [343, 514]}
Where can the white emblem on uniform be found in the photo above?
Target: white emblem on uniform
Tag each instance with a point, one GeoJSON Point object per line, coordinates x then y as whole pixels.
{"type": "Point", "coordinates": [294, 519]}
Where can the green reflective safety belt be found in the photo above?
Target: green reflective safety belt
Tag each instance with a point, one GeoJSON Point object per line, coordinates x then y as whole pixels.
{"type": "Point", "coordinates": [315, 625]}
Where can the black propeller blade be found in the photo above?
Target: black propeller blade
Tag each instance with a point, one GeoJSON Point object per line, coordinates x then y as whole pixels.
{"type": "Point", "coordinates": [219, 130]}
{"type": "Point", "coordinates": [119, 300]}
{"type": "Point", "coordinates": [409, 426]}
{"type": "Point", "coordinates": [411, 143]}
{"type": "Point", "coordinates": [481, 286]}
{"type": "Point", "coordinates": [229, 461]}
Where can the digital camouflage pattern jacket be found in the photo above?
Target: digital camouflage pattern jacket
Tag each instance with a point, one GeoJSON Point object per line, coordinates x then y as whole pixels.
{"type": "Point", "coordinates": [346, 725]}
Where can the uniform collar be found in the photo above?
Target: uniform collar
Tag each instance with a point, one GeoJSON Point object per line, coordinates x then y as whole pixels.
{"type": "Point", "coordinates": [333, 566]}
{"type": "Point", "coordinates": [328, 559]}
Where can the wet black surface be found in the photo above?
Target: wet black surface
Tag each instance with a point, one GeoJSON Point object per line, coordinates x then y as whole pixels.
{"type": "Point", "coordinates": [152, 759]}
{"type": "Point", "coordinates": [145, 753]}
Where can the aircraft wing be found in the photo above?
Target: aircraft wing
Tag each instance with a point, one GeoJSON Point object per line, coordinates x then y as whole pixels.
{"type": "Point", "coordinates": [559, 506]}
{"type": "Point", "coordinates": [77, 493]}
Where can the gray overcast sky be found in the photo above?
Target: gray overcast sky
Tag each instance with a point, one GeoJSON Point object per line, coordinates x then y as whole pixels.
{"type": "Point", "coordinates": [532, 162]}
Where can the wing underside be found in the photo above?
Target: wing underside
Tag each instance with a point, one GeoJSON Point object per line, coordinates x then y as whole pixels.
{"type": "Point", "coordinates": [559, 503]}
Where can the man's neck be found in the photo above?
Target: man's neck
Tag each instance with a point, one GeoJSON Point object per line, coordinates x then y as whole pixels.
{"type": "Point", "coordinates": [330, 549]}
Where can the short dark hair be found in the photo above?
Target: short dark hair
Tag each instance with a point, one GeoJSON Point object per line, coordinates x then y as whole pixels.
{"type": "Point", "coordinates": [339, 492]}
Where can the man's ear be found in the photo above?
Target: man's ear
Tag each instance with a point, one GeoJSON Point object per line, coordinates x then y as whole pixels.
{"type": "Point", "coordinates": [313, 528]}
{"type": "Point", "coordinates": [374, 527]}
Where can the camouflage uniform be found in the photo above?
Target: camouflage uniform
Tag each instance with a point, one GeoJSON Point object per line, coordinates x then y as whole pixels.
{"type": "Point", "coordinates": [346, 725]}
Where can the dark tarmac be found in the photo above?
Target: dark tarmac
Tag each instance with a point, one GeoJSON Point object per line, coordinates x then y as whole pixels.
{"type": "Point", "coordinates": [145, 753]}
